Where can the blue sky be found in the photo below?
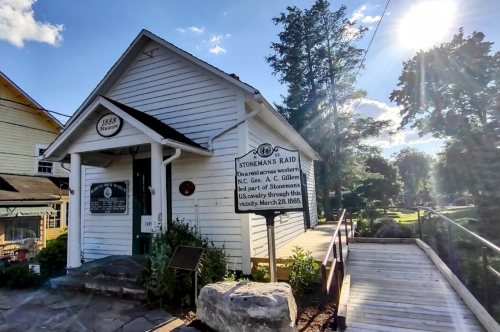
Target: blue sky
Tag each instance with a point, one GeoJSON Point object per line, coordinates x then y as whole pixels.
{"type": "Point", "coordinates": [58, 50]}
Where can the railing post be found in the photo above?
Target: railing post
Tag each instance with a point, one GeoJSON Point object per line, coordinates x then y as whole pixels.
{"type": "Point", "coordinates": [324, 277]}
{"type": "Point", "coordinates": [346, 233]}
{"type": "Point", "coordinates": [484, 254]}
{"type": "Point", "coordinates": [350, 214]}
{"type": "Point", "coordinates": [419, 225]}
{"type": "Point", "coordinates": [341, 267]}
{"type": "Point", "coordinates": [450, 244]}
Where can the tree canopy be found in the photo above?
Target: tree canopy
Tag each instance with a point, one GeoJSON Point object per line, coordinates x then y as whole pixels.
{"type": "Point", "coordinates": [317, 57]}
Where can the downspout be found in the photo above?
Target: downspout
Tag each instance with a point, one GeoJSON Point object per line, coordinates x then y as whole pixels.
{"type": "Point", "coordinates": [163, 170]}
{"type": "Point", "coordinates": [237, 123]}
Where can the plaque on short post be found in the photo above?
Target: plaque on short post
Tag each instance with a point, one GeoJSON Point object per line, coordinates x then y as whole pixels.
{"type": "Point", "coordinates": [268, 182]}
{"type": "Point", "coordinates": [187, 258]}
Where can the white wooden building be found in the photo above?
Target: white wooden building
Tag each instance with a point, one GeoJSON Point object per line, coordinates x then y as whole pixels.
{"type": "Point", "coordinates": [177, 108]}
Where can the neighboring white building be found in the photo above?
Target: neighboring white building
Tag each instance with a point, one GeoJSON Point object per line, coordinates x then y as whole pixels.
{"type": "Point", "coordinates": [175, 106]}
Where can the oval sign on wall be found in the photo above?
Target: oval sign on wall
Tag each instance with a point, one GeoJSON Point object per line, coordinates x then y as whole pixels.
{"type": "Point", "coordinates": [109, 125]}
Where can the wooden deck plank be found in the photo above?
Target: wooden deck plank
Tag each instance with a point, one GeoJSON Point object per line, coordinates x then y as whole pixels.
{"type": "Point", "coordinates": [315, 240]}
{"type": "Point", "coordinates": [397, 288]}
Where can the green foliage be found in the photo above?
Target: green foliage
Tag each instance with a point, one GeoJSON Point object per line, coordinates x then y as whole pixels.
{"type": "Point", "coordinates": [18, 276]}
{"type": "Point", "coordinates": [305, 271]}
{"type": "Point", "coordinates": [383, 186]}
{"type": "Point", "coordinates": [52, 260]}
{"type": "Point", "coordinates": [172, 285]}
{"type": "Point", "coordinates": [317, 57]}
{"type": "Point", "coordinates": [261, 274]}
{"type": "Point", "coordinates": [415, 169]}
{"type": "Point", "coordinates": [53, 257]}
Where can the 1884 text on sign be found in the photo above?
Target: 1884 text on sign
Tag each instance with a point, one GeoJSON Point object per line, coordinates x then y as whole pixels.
{"type": "Point", "coordinates": [268, 179]}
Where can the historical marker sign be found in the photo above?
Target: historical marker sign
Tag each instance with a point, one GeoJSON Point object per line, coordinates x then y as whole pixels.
{"type": "Point", "coordinates": [269, 183]}
{"type": "Point", "coordinates": [268, 179]}
{"type": "Point", "coordinates": [109, 197]}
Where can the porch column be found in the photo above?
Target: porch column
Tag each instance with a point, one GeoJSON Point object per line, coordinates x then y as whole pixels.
{"type": "Point", "coordinates": [74, 223]}
{"type": "Point", "coordinates": [156, 160]}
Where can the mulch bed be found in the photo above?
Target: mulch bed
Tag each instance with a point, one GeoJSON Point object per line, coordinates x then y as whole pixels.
{"type": "Point", "coordinates": [315, 312]}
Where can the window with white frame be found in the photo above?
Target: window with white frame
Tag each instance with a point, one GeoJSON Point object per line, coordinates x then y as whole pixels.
{"type": "Point", "coordinates": [54, 220]}
{"type": "Point", "coordinates": [43, 167]}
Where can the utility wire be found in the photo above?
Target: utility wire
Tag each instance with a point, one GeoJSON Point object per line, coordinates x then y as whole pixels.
{"type": "Point", "coordinates": [20, 125]}
{"type": "Point", "coordinates": [18, 154]}
{"type": "Point", "coordinates": [373, 37]}
{"type": "Point", "coordinates": [21, 110]}
{"type": "Point", "coordinates": [37, 108]}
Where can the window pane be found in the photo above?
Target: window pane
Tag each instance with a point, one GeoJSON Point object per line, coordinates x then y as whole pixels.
{"type": "Point", "coordinates": [43, 166]}
{"type": "Point", "coordinates": [21, 228]}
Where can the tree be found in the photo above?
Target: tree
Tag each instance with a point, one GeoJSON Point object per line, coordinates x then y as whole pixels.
{"type": "Point", "coordinates": [452, 92]}
{"type": "Point", "coordinates": [384, 186]}
{"type": "Point", "coordinates": [414, 168]}
{"type": "Point", "coordinates": [317, 58]}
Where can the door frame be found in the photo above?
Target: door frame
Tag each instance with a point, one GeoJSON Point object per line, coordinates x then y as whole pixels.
{"type": "Point", "coordinates": [136, 202]}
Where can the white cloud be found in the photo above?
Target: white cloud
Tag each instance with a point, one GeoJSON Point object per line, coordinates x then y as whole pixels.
{"type": "Point", "coordinates": [18, 24]}
{"type": "Point", "coordinates": [371, 19]}
{"type": "Point", "coordinates": [215, 39]}
{"type": "Point", "coordinates": [358, 13]}
{"type": "Point", "coordinates": [381, 111]}
{"type": "Point", "coordinates": [195, 29]}
{"type": "Point", "coordinates": [228, 35]}
{"type": "Point", "coordinates": [192, 29]}
{"type": "Point", "coordinates": [217, 50]}
{"type": "Point", "coordinates": [214, 44]}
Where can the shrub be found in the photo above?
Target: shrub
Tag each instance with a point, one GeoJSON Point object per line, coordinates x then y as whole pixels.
{"type": "Point", "coordinates": [53, 258]}
{"type": "Point", "coordinates": [18, 276]}
{"type": "Point", "coordinates": [164, 283]}
{"type": "Point", "coordinates": [261, 274]}
{"type": "Point", "coordinates": [305, 270]}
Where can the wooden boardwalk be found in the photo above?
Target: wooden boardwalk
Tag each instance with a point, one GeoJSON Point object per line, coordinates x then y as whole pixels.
{"type": "Point", "coordinates": [397, 288]}
{"type": "Point", "coordinates": [315, 240]}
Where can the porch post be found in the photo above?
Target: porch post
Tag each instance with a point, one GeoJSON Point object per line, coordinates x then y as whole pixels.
{"type": "Point", "coordinates": [74, 245]}
{"type": "Point", "coordinates": [156, 160]}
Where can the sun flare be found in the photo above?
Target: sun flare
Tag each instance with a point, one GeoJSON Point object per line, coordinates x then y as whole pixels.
{"type": "Point", "coordinates": [426, 23]}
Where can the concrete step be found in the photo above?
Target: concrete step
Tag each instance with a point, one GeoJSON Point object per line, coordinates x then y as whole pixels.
{"type": "Point", "coordinates": [104, 286]}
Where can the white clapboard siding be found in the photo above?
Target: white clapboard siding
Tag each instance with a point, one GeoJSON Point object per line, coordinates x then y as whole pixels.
{"type": "Point", "coordinates": [292, 225]}
{"type": "Point", "coordinates": [107, 234]}
{"type": "Point", "coordinates": [214, 181]}
{"type": "Point", "coordinates": [178, 93]}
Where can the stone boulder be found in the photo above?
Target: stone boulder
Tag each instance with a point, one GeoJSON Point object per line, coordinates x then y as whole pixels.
{"type": "Point", "coordinates": [247, 307]}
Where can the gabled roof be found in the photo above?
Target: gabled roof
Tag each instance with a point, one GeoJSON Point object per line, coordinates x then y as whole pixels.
{"type": "Point", "coordinates": [135, 49]}
{"type": "Point", "coordinates": [31, 100]}
{"type": "Point", "coordinates": [156, 125]}
{"type": "Point", "coordinates": [154, 128]}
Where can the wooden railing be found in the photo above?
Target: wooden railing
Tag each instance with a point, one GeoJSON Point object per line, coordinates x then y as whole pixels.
{"type": "Point", "coordinates": [335, 276]}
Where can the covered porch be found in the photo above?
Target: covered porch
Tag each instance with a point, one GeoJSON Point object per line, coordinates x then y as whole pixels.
{"type": "Point", "coordinates": [120, 180]}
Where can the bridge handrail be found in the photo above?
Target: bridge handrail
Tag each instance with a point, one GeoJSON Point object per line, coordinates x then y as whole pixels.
{"type": "Point", "coordinates": [337, 267]}
{"type": "Point", "coordinates": [482, 240]}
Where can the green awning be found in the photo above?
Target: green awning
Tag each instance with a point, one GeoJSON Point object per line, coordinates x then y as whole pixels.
{"type": "Point", "coordinates": [26, 211]}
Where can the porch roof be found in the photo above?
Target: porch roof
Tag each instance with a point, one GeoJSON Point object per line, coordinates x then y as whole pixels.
{"type": "Point", "coordinates": [156, 130]}
{"type": "Point", "coordinates": [153, 123]}
{"type": "Point", "coordinates": [29, 188]}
